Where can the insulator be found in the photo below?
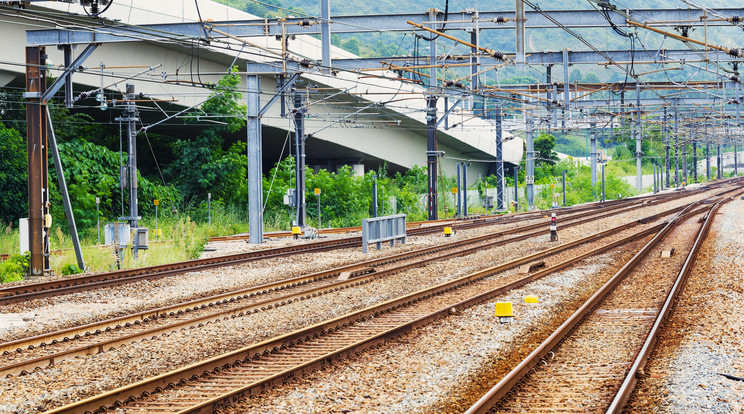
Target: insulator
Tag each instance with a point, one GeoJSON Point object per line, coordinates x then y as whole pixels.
{"type": "Point", "coordinates": [499, 20]}
{"type": "Point", "coordinates": [498, 55]}
{"type": "Point", "coordinates": [735, 78]}
{"type": "Point", "coordinates": [735, 19]}
{"type": "Point", "coordinates": [736, 52]}
{"type": "Point", "coordinates": [305, 22]}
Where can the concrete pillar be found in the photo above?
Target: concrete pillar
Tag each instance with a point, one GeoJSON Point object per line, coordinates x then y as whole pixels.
{"type": "Point", "coordinates": [255, 150]}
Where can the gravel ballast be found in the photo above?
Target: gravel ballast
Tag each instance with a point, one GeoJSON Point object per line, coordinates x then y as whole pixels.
{"type": "Point", "coordinates": [72, 380]}
{"type": "Point", "coordinates": [705, 336]}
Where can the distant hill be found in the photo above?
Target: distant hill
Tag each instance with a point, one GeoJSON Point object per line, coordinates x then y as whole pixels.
{"type": "Point", "coordinates": [399, 44]}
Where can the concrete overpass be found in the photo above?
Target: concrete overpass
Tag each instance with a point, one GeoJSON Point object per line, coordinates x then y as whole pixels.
{"type": "Point", "coordinates": [391, 129]}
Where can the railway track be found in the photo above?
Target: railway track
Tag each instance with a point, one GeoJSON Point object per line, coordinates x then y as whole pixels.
{"type": "Point", "coordinates": [26, 292]}
{"type": "Point", "coordinates": [220, 381]}
{"type": "Point", "coordinates": [23, 355]}
{"type": "Point", "coordinates": [591, 361]}
{"type": "Point", "coordinates": [441, 223]}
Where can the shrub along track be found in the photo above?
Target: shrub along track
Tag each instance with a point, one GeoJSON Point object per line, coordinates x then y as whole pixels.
{"type": "Point", "coordinates": [23, 355]}
{"type": "Point", "coordinates": [30, 291]}
{"type": "Point", "coordinates": [220, 381]}
{"type": "Point", "coordinates": [590, 362]}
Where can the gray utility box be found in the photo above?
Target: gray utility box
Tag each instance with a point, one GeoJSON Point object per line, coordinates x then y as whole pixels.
{"type": "Point", "coordinates": [139, 234]}
{"type": "Point", "coordinates": [118, 230]}
{"type": "Point", "coordinates": [381, 229]}
{"type": "Point", "coordinates": [127, 235]}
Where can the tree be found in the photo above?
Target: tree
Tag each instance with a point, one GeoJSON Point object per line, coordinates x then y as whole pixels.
{"type": "Point", "coordinates": [544, 144]}
{"type": "Point", "coordinates": [591, 77]}
{"type": "Point", "coordinates": [575, 75]}
{"type": "Point", "coordinates": [13, 175]}
{"type": "Point", "coordinates": [201, 165]}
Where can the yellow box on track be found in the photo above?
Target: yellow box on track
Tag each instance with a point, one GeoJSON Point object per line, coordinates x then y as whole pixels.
{"type": "Point", "coordinates": [503, 309]}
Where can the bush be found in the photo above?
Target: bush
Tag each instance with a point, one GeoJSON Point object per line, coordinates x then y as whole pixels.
{"type": "Point", "coordinates": [15, 268]}
{"type": "Point", "coordinates": [70, 269]}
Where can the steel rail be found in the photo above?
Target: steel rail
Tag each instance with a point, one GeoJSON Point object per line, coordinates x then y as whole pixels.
{"type": "Point", "coordinates": [26, 292]}
{"type": "Point", "coordinates": [631, 377]}
{"type": "Point", "coordinates": [284, 344]}
{"type": "Point", "coordinates": [504, 388]}
{"type": "Point", "coordinates": [420, 224]}
{"type": "Point", "coordinates": [362, 269]}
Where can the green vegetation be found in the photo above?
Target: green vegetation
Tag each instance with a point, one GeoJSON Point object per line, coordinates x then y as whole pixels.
{"type": "Point", "coordinates": [15, 268]}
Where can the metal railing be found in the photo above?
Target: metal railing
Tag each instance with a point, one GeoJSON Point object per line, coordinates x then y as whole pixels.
{"type": "Point", "coordinates": [381, 229]}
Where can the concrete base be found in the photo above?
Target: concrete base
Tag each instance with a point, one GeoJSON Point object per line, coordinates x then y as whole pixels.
{"type": "Point", "coordinates": [14, 320]}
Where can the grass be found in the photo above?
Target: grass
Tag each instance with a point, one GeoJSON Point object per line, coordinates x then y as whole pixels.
{"type": "Point", "coordinates": [182, 240]}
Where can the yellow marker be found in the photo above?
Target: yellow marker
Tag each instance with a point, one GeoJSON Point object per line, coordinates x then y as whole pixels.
{"type": "Point", "coordinates": [317, 191]}
{"type": "Point", "coordinates": [531, 299]}
{"type": "Point", "coordinates": [447, 231]}
{"type": "Point", "coordinates": [158, 232]}
{"type": "Point", "coordinates": [156, 202]}
{"type": "Point", "coordinates": [296, 232]}
{"type": "Point", "coordinates": [454, 190]}
{"type": "Point", "coordinates": [503, 309]}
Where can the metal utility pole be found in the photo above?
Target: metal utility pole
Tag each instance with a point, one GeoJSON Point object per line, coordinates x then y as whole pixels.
{"type": "Point", "coordinates": [603, 183]}
{"type": "Point", "coordinates": [684, 163]}
{"type": "Point", "coordinates": [529, 177]}
{"type": "Point", "coordinates": [564, 188]}
{"type": "Point", "coordinates": [638, 133]}
{"type": "Point", "coordinates": [432, 156]}
{"type": "Point", "coordinates": [555, 107]}
{"type": "Point", "coordinates": [665, 139]}
{"type": "Point", "coordinates": [516, 188]}
{"type": "Point", "coordinates": [374, 195]}
{"type": "Point", "coordinates": [519, 22]}
{"type": "Point", "coordinates": [499, 162]}
{"type": "Point", "coordinates": [299, 120]}
{"type": "Point", "coordinates": [738, 131]}
{"type": "Point", "coordinates": [475, 40]}
{"type": "Point", "coordinates": [38, 168]}
{"type": "Point", "coordinates": [719, 160]}
{"type": "Point", "coordinates": [459, 190]}
{"type": "Point", "coordinates": [325, 33]}
{"type": "Point", "coordinates": [548, 95]}
{"type": "Point", "coordinates": [130, 118]}
{"type": "Point", "coordinates": [465, 188]}
{"type": "Point", "coordinates": [707, 160]}
{"type": "Point", "coordinates": [566, 89]}
{"type": "Point", "coordinates": [694, 160]}
{"type": "Point", "coordinates": [676, 145]}
{"type": "Point", "coordinates": [593, 151]}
